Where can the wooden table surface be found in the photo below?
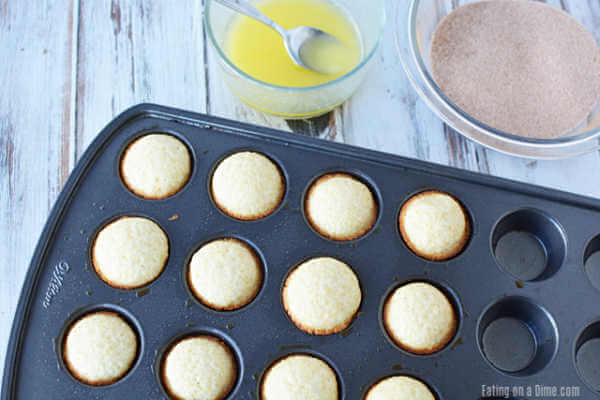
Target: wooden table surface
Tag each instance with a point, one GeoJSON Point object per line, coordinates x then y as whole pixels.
{"type": "Point", "coordinates": [67, 67]}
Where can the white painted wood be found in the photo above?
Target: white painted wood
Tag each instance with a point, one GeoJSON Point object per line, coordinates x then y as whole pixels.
{"type": "Point", "coordinates": [36, 124]}
{"type": "Point", "coordinates": [134, 51]}
{"type": "Point", "coordinates": [69, 66]}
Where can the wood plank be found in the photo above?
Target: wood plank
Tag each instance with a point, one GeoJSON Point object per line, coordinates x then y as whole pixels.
{"type": "Point", "coordinates": [137, 51]}
{"type": "Point", "coordinates": [398, 122]}
{"type": "Point", "coordinates": [36, 132]}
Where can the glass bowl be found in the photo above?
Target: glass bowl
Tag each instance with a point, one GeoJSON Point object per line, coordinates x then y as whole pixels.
{"type": "Point", "coordinates": [416, 21]}
{"type": "Point", "coordinates": [297, 102]}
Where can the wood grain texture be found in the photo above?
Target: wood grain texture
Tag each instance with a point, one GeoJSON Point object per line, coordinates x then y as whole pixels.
{"type": "Point", "coordinates": [137, 51]}
{"type": "Point", "coordinates": [69, 66]}
{"type": "Point", "coordinates": [36, 125]}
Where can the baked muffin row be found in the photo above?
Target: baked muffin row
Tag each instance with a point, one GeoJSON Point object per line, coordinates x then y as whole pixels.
{"type": "Point", "coordinates": [100, 348]}
{"type": "Point", "coordinates": [321, 295]}
{"type": "Point", "coordinates": [339, 206]}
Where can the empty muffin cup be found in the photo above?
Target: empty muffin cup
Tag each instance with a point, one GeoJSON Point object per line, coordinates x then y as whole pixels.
{"type": "Point", "coordinates": [529, 245]}
{"type": "Point", "coordinates": [591, 261]}
{"type": "Point", "coordinates": [587, 356]}
{"type": "Point", "coordinates": [517, 336]}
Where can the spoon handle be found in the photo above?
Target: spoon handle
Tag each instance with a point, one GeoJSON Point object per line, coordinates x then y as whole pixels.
{"type": "Point", "coordinates": [247, 9]}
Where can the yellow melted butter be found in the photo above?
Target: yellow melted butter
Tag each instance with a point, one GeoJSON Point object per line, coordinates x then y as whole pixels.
{"type": "Point", "coordinates": [259, 51]}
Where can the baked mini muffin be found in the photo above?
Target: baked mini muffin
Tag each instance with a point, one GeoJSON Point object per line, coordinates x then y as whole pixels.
{"type": "Point", "coordinates": [434, 225]}
{"type": "Point", "coordinates": [199, 367]}
{"type": "Point", "coordinates": [340, 207]}
{"type": "Point", "coordinates": [130, 252]}
{"type": "Point", "coordinates": [247, 186]}
{"type": "Point", "coordinates": [156, 166]}
{"type": "Point", "coordinates": [100, 348]}
{"type": "Point", "coordinates": [225, 274]}
{"type": "Point", "coordinates": [419, 318]}
{"type": "Point", "coordinates": [399, 388]}
{"type": "Point", "coordinates": [322, 296]}
{"type": "Point", "coordinates": [299, 377]}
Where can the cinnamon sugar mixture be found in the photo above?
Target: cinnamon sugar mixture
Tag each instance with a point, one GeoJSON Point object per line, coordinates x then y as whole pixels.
{"type": "Point", "coordinates": [522, 67]}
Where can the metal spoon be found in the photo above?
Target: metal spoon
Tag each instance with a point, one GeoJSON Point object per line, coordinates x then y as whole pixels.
{"type": "Point", "coordinates": [297, 41]}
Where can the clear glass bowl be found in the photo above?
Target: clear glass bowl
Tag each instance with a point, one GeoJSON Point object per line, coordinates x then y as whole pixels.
{"type": "Point", "coordinates": [416, 21]}
{"type": "Point", "coordinates": [297, 102]}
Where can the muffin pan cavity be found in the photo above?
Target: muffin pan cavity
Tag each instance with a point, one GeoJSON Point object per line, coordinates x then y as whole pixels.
{"type": "Point", "coordinates": [448, 293]}
{"type": "Point", "coordinates": [247, 185]}
{"type": "Point", "coordinates": [321, 295]}
{"type": "Point", "coordinates": [587, 356]}
{"type": "Point", "coordinates": [591, 261]}
{"type": "Point", "coordinates": [529, 245]}
{"type": "Point", "coordinates": [227, 259]}
{"type": "Point", "coordinates": [341, 388]}
{"type": "Point", "coordinates": [331, 194]}
{"type": "Point", "coordinates": [99, 309]}
{"type": "Point", "coordinates": [129, 251]}
{"type": "Point", "coordinates": [435, 225]}
{"type": "Point", "coordinates": [156, 165]}
{"type": "Point", "coordinates": [516, 223]}
{"type": "Point", "coordinates": [200, 332]}
{"type": "Point", "coordinates": [517, 336]}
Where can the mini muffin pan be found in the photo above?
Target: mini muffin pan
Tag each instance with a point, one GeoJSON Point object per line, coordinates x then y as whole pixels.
{"type": "Point", "coordinates": [526, 288]}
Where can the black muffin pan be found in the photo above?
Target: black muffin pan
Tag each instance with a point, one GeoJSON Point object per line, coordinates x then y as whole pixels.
{"type": "Point", "coordinates": [525, 288]}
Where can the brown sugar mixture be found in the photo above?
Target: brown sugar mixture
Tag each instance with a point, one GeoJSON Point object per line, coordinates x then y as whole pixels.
{"type": "Point", "coordinates": [522, 67]}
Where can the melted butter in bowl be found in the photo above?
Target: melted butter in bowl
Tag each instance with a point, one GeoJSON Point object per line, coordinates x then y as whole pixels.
{"type": "Point", "coordinates": [259, 51]}
{"type": "Point", "coordinates": [257, 69]}
{"type": "Point", "coordinates": [328, 55]}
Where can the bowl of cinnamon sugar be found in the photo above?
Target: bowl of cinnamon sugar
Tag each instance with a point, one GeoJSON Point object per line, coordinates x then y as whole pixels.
{"type": "Point", "coordinates": [519, 76]}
